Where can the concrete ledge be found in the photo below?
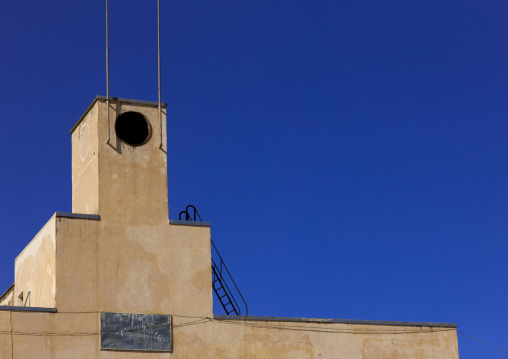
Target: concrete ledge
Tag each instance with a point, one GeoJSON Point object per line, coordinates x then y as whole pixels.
{"type": "Point", "coordinates": [95, 217]}
{"type": "Point", "coordinates": [345, 321]}
{"type": "Point", "coordinates": [189, 223]}
{"type": "Point", "coordinates": [126, 100]}
{"type": "Point", "coordinates": [27, 309]}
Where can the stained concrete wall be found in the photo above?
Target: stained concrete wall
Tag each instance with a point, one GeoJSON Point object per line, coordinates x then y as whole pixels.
{"type": "Point", "coordinates": [283, 339]}
{"type": "Point", "coordinates": [8, 297]}
{"type": "Point", "coordinates": [116, 180]}
{"type": "Point", "coordinates": [133, 180]}
{"type": "Point", "coordinates": [119, 267]}
{"type": "Point", "coordinates": [85, 167]}
{"type": "Point", "coordinates": [76, 335]}
{"type": "Point", "coordinates": [35, 270]}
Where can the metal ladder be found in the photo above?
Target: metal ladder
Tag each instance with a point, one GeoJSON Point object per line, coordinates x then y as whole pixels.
{"type": "Point", "coordinates": [220, 273]}
{"type": "Point", "coordinates": [222, 291]}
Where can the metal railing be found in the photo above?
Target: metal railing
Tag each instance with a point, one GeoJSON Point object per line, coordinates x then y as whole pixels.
{"type": "Point", "coordinates": [220, 273]}
{"type": "Point", "coordinates": [188, 216]}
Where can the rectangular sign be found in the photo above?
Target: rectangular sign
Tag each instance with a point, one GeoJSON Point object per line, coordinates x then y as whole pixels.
{"type": "Point", "coordinates": [140, 332]}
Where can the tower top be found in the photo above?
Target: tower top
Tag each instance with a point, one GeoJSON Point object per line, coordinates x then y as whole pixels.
{"type": "Point", "coordinates": [123, 100]}
{"type": "Point", "coordinates": [120, 168]}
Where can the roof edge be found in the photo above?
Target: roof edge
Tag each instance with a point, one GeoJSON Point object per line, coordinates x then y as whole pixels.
{"type": "Point", "coordinates": [189, 223]}
{"type": "Point", "coordinates": [95, 217]}
{"type": "Point", "coordinates": [7, 291]}
{"type": "Point", "coordinates": [27, 309]}
{"type": "Point", "coordinates": [116, 99]}
{"type": "Point", "coordinates": [345, 321]}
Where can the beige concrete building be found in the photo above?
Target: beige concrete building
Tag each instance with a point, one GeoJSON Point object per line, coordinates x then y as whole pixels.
{"type": "Point", "coordinates": [117, 279]}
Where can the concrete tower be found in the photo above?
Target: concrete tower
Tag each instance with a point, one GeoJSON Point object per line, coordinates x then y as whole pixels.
{"type": "Point", "coordinates": [125, 177]}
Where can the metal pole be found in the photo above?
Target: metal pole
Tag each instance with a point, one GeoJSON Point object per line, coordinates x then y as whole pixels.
{"type": "Point", "coordinates": [159, 59]}
{"type": "Point", "coordinates": [107, 69]}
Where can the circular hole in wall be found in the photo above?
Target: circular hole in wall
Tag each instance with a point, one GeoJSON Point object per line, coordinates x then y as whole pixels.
{"type": "Point", "coordinates": [132, 128]}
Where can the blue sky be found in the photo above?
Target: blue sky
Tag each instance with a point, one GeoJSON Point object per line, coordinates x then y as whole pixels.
{"type": "Point", "coordinates": [351, 156]}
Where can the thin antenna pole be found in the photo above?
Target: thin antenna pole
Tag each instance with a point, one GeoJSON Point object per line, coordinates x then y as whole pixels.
{"type": "Point", "coordinates": [159, 59]}
{"type": "Point", "coordinates": [107, 69]}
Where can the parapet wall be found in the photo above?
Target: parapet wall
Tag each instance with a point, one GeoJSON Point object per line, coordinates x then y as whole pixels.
{"type": "Point", "coordinates": [45, 335]}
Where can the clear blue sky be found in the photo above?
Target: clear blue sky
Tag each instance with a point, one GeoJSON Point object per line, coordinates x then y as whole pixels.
{"type": "Point", "coordinates": [351, 155]}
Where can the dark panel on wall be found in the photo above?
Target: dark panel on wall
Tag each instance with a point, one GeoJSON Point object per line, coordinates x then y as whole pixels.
{"type": "Point", "coordinates": [142, 332]}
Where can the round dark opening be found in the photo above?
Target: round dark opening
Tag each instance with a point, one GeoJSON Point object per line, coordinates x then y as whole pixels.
{"type": "Point", "coordinates": [132, 128]}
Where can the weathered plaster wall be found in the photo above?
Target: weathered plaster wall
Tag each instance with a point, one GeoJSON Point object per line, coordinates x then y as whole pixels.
{"type": "Point", "coordinates": [48, 335]}
{"type": "Point", "coordinates": [8, 297]}
{"type": "Point", "coordinates": [262, 339]}
{"type": "Point", "coordinates": [133, 180]}
{"type": "Point", "coordinates": [5, 334]}
{"type": "Point", "coordinates": [116, 180]}
{"type": "Point", "coordinates": [35, 269]}
{"type": "Point", "coordinates": [132, 268]}
{"type": "Point", "coordinates": [76, 335]}
{"type": "Point", "coordinates": [77, 261]}
{"type": "Point", "coordinates": [85, 166]}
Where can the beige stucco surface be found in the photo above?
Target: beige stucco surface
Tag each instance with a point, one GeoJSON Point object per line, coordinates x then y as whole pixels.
{"type": "Point", "coordinates": [114, 179]}
{"type": "Point", "coordinates": [117, 267]}
{"type": "Point", "coordinates": [131, 259]}
{"type": "Point", "coordinates": [7, 297]}
{"type": "Point", "coordinates": [262, 339]}
{"type": "Point", "coordinates": [35, 269]}
{"type": "Point", "coordinates": [85, 167]}
{"type": "Point", "coordinates": [76, 335]}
